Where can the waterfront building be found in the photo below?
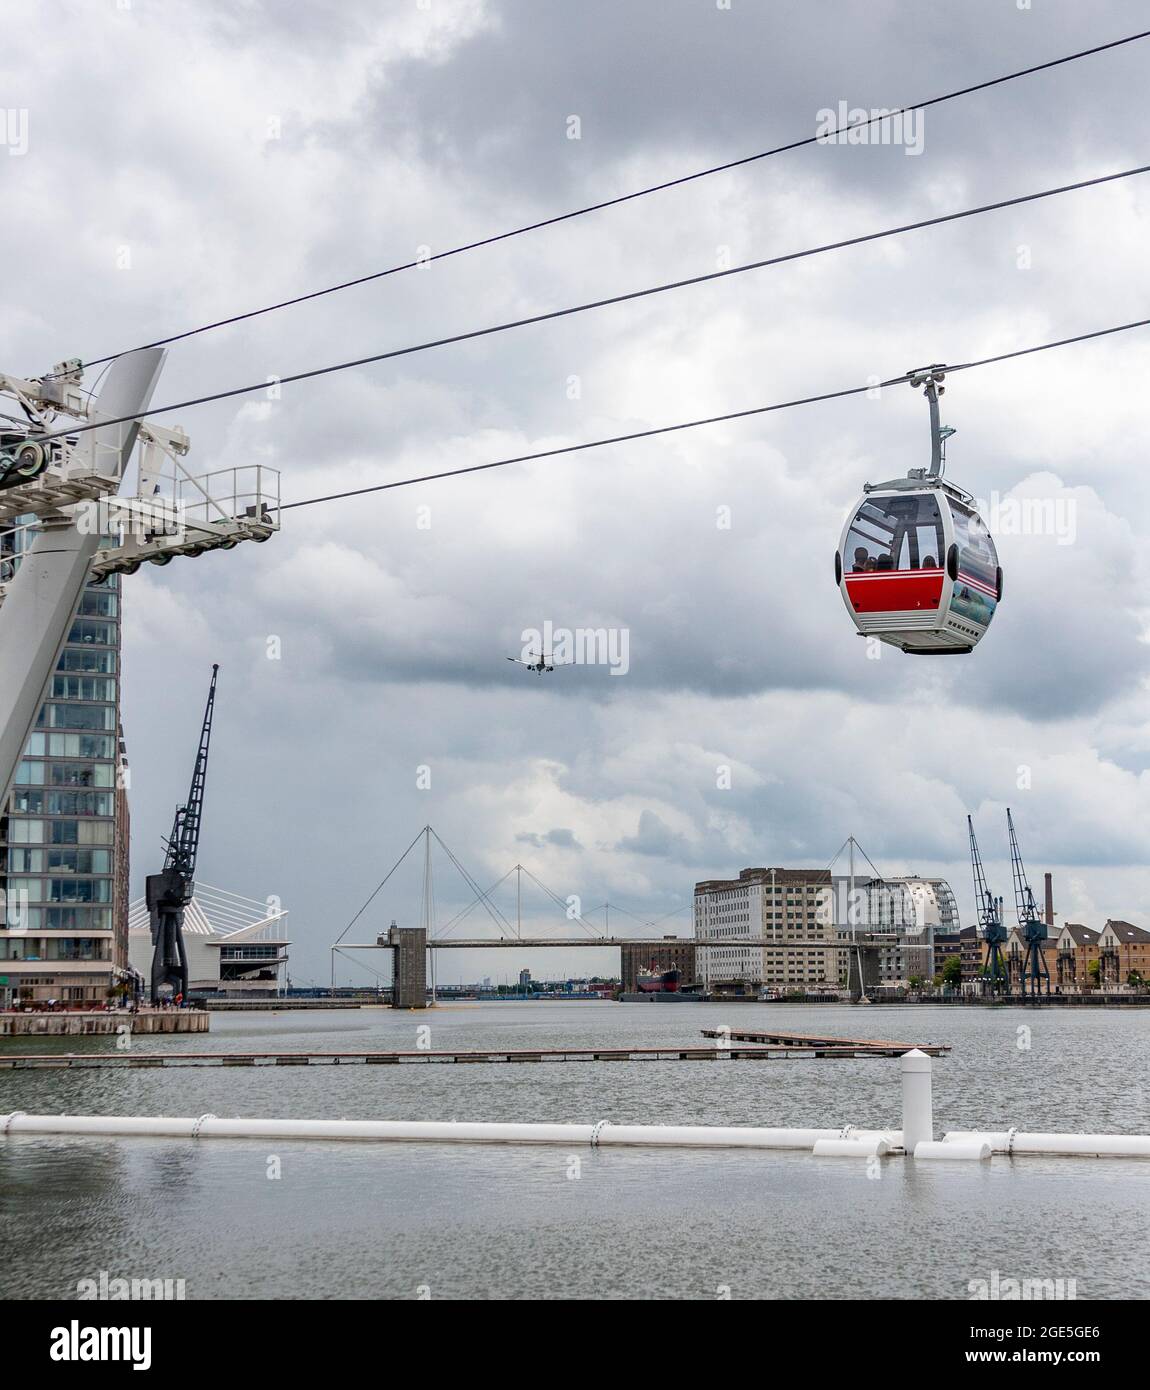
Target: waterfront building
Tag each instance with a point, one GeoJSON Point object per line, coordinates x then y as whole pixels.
{"type": "Point", "coordinates": [1077, 946]}
{"type": "Point", "coordinates": [912, 912]}
{"type": "Point", "coordinates": [1124, 952]}
{"type": "Point", "coordinates": [972, 950]}
{"type": "Point", "coordinates": [946, 944]}
{"type": "Point", "coordinates": [64, 831]}
{"type": "Point", "coordinates": [759, 913]}
{"type": "Point", "coordinates": [236, 946]}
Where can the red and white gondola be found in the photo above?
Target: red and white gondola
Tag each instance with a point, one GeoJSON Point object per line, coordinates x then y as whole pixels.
{"type": "Point", "coordinates": [916, 565]}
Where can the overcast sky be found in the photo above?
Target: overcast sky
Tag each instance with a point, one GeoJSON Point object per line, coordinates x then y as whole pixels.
{"type": "Point", "coordinates": [187, 161]}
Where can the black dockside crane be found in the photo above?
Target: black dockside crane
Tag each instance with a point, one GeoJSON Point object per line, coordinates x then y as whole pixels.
{"type": "Point", "coordinates": [1030, 922]}
{"type": "Point", "coordinates": [989, 921]}
{"type": "Point", "coordinates": [169, 892]}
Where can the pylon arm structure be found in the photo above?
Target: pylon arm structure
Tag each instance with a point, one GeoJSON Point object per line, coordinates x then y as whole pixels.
{"type": "Point", "coordinates": [63, 524]}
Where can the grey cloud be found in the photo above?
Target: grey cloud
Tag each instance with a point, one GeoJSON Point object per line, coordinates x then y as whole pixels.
{"type": "Point", "coordinates": [560, 837]}
{"type": "Point", "coordinates": [654, 837]}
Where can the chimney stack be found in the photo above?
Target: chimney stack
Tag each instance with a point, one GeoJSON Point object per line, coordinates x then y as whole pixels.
{"type": "Point", "coordinates": [1049, 899]}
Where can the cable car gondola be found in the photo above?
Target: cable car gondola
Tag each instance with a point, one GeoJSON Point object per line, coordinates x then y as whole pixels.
{"type": "Point", "coordinates": [916, 565]}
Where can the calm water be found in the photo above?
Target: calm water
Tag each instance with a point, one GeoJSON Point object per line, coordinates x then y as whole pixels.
{"type": "Point", "coordinates": [384, 1221]}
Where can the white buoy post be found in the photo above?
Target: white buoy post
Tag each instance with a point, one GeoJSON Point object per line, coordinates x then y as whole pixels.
{"type": "Point", "coordinates": [917, 1105]}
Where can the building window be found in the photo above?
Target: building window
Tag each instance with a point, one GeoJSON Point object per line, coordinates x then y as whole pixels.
{"type": "Point", "coordinates": [87, 631]}
{"type": "Point", "coordinates": [68, 716]}
{"type": "Point", "coordinates": [87, 659]}
{"type": "Point", "coordinates": [25, 832]}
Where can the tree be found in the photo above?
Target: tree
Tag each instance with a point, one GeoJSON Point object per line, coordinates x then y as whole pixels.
{"type": "Point", "coordinates": [952, 971]}
{"type": "Point", "coordinates": [1094, 970]}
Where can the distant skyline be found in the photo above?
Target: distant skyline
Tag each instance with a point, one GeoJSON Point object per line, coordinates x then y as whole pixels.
{"type": "Point", "coordinates": [166, 165]}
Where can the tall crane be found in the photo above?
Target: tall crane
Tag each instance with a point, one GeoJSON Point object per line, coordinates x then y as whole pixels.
{"type": "Point", "coordinates": [1030, 922]}
{"type": "Point", "coordinates": [989, 919]}
{"type": "Point", "coordinates": [169, 892]}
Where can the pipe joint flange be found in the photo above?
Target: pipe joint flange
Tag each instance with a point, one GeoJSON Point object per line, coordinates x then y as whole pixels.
{"type": "Point", "coordinates": [6, 1120]}
{"type": "Point", "coordinates": [1010, 1133]}
{"type": "Point", "coordinates": [846, 1132]}
{"type": "Point", "coordinates": [596, 1130]}
{"type": "Point", "coordinates": [198, 1123]}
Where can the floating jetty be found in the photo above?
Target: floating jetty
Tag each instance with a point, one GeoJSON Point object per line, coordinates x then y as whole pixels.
{"type": "Point", "coordinates": [77, 1023]}
{"type": "Point", "coordinates": [799, 1042]}
{"type": "Point", "coordinates": [275, 1006]}
{"type": "Point", "coordinates": [765, 1047]}
{"type": "Point", "coordinates": [130, 1058]}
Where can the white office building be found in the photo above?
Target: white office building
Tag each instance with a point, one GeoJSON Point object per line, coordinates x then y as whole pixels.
{"type": "Point", "coordinates": [910, 909]}
{"type": "Point", "coordinates": [776, 921]}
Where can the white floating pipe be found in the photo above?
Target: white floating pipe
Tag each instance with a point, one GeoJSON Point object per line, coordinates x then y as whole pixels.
{"type": "Point", "coordinates": [712, 1136]}
{"type": "Point", "coordinates": [917, 1104]}
{"type": "Point", "coordinates": [1086, 1145]}
{"type": "Point", "coordinates": [968, 1150]}
{"type": "Point", "coordinates": [433, 1131]}
{"type": "Point", "coordinates": [851, 1148]}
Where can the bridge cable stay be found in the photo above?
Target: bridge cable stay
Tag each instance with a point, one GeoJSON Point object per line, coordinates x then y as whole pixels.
{"type": "Point", "coordinates": [379, 886]}
{"type": "Point", "coordinates": [450, 925]}
{"type": "Point", "coordinates": [361, 964]}
{"type": "Point", "coordinates": [657, 921]}
{"type": "Point", "coordinates": [335, 950]}
{"type": "Point", "coordinates": [560, 903]}
{"type": "Point", "coordinates": [427, 902]}
{"type": "Point", "coordinates": [492, 911]}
